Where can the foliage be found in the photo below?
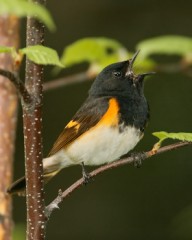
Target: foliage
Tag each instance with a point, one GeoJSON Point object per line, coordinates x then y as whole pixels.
{"type": "Point", "coordinates": [182, 136]}
{"type": "Point", "coordinates": [37, 53]}
{"type": "Point", "coordinates": [23, 8]}
{"type": "Point", "coordinates": [169, 45]}
{"type": "Point", "coordinates": [42, 55]}
{"type": "Point", "coordinates": [98, 51]}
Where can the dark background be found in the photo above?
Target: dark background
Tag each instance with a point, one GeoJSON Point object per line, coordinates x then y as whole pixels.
{"type": "Point", "coordinates": [155, 201]}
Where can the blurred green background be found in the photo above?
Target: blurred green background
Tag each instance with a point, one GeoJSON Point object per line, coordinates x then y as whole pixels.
{"type": "Point", "coordinates": [155, 201]}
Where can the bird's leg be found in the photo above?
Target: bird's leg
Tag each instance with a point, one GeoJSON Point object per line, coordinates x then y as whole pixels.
{"type": "Point", "coordinates": [86, 175]}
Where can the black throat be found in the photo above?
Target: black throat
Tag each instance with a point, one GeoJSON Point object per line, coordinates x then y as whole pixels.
{"type": "Point", "coordinates": [133, 112]}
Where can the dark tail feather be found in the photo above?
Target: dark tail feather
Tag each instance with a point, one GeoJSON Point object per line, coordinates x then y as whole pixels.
{"type": "Point", "coordinates": [18, 187]}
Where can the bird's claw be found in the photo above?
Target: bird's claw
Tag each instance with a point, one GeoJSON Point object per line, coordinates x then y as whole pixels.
{"type": "Point", "coordinates": [138, 159]}
{"type": "Point", "coordinates": [86, 176]}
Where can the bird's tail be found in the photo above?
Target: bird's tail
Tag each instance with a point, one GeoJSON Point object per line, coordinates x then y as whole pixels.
{"type": "Point", "coordinates": [19, 186]}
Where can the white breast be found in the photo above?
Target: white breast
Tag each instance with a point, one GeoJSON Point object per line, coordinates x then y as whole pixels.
{"type": "Point", "coordinates": [102, 145]}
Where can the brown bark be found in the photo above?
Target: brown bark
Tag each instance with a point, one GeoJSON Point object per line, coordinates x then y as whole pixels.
{"type": "Point", "coordinates": [9, 36]}
{"type": "Point", "coordinates": [32, 119]}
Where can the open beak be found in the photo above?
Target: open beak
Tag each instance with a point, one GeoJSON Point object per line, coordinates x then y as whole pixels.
{"type": "Point", "coordinates": [130, 64]}
{"type": "Point", "coordinates": [140, 77]}
{"type": "Point", "coordinates": [131, 61]}
{"type": "Point", "coordinates": [130, 68]}
{"type": "Point", "coordinates": [146, 74]}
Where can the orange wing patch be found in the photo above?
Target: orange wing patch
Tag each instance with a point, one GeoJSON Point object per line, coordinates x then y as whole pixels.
{"type": "Point", "coordinates": [74, 124]}
{"type": "Point", "coordinates": [111, 117]}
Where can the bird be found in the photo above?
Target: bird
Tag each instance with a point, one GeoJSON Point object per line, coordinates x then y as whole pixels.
{"type": "Point", "coordinates": [107, 126]}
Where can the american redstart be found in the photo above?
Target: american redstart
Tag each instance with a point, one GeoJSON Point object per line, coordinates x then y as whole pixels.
{"type": "Point", "coordinates": [108, 125]}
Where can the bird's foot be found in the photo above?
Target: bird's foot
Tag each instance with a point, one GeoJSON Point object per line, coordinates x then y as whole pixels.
{"type": "Point", "coordinates": [86, 176]}
{"type": "Point", "coordinates": [137, 158]}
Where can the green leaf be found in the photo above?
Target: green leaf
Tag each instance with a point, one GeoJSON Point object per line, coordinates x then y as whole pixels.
{"type": "Point", "coordinates": [42, 55]}
{"type": "Point", "coordinates": [23, 8]}
{"type": "Point", "coordinates": [98, 51]}
{"type": "Point", "coordinates": [179, 136]}
{"type": "Point", "coordinates": [5, 49]}
{"type": "Point", "coordinates": [170, 45]}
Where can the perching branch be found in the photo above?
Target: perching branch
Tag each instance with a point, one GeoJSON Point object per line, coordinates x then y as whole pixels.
{"type": "Point", "coordinates": [22, 91]}
{"type": "Point", "coordinates": [138, 157]}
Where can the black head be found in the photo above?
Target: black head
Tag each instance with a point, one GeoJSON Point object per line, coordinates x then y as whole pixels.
{"type": "Point", "coordinates": [118, 79]}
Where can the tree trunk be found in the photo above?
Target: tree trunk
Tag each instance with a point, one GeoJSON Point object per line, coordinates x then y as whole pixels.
{"type": "Point", "coordinates": [9, 36]}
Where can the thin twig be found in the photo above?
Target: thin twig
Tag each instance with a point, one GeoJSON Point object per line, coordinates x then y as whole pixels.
{"type": "Point", "coordinates": [87, 75]}
{"type": "Point", "coordinates": [61, 82]}
{"type": "Point", "coordinates": [127, 160]}
{"type": "Point", "coordinates": [14, 78]}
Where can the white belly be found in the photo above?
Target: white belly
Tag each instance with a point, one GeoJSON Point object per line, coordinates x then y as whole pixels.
{"type": "Point", "coordinates": [102, 145]}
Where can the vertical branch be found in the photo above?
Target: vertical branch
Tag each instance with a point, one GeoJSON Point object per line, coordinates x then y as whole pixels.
{"type": "Point", "coordinates": [32, 117]}
{"type": "Point", "coordinates": [9, 36]}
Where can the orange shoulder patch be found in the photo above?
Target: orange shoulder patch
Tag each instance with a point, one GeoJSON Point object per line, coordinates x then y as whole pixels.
{"type": "Point", "coordinates": [86, 123]}
{"type": "Point", "coordinates": [111, 117]}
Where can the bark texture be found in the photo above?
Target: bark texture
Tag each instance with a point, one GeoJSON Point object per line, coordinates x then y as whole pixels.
{"type": "Point", "coordinates": [9, 36]}
{"type": "Point", "coordinates": [32, 119]}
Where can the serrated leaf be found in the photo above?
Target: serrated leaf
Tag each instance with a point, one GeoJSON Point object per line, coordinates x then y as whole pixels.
{"type": "Point", "coordinates": [170, 45]}
{"type": "Point", "coordinates": [23, 8]}
{"type": "Point", "coordinates": [98, 51]}
{"type": "Point", "coordinates": [42, 55]}
{"type": "Point", "coordinates": [179, 136]}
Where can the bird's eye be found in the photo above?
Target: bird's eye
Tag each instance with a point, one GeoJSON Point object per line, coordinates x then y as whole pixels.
{"type": "Point", "coordinates": [117, 74]}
